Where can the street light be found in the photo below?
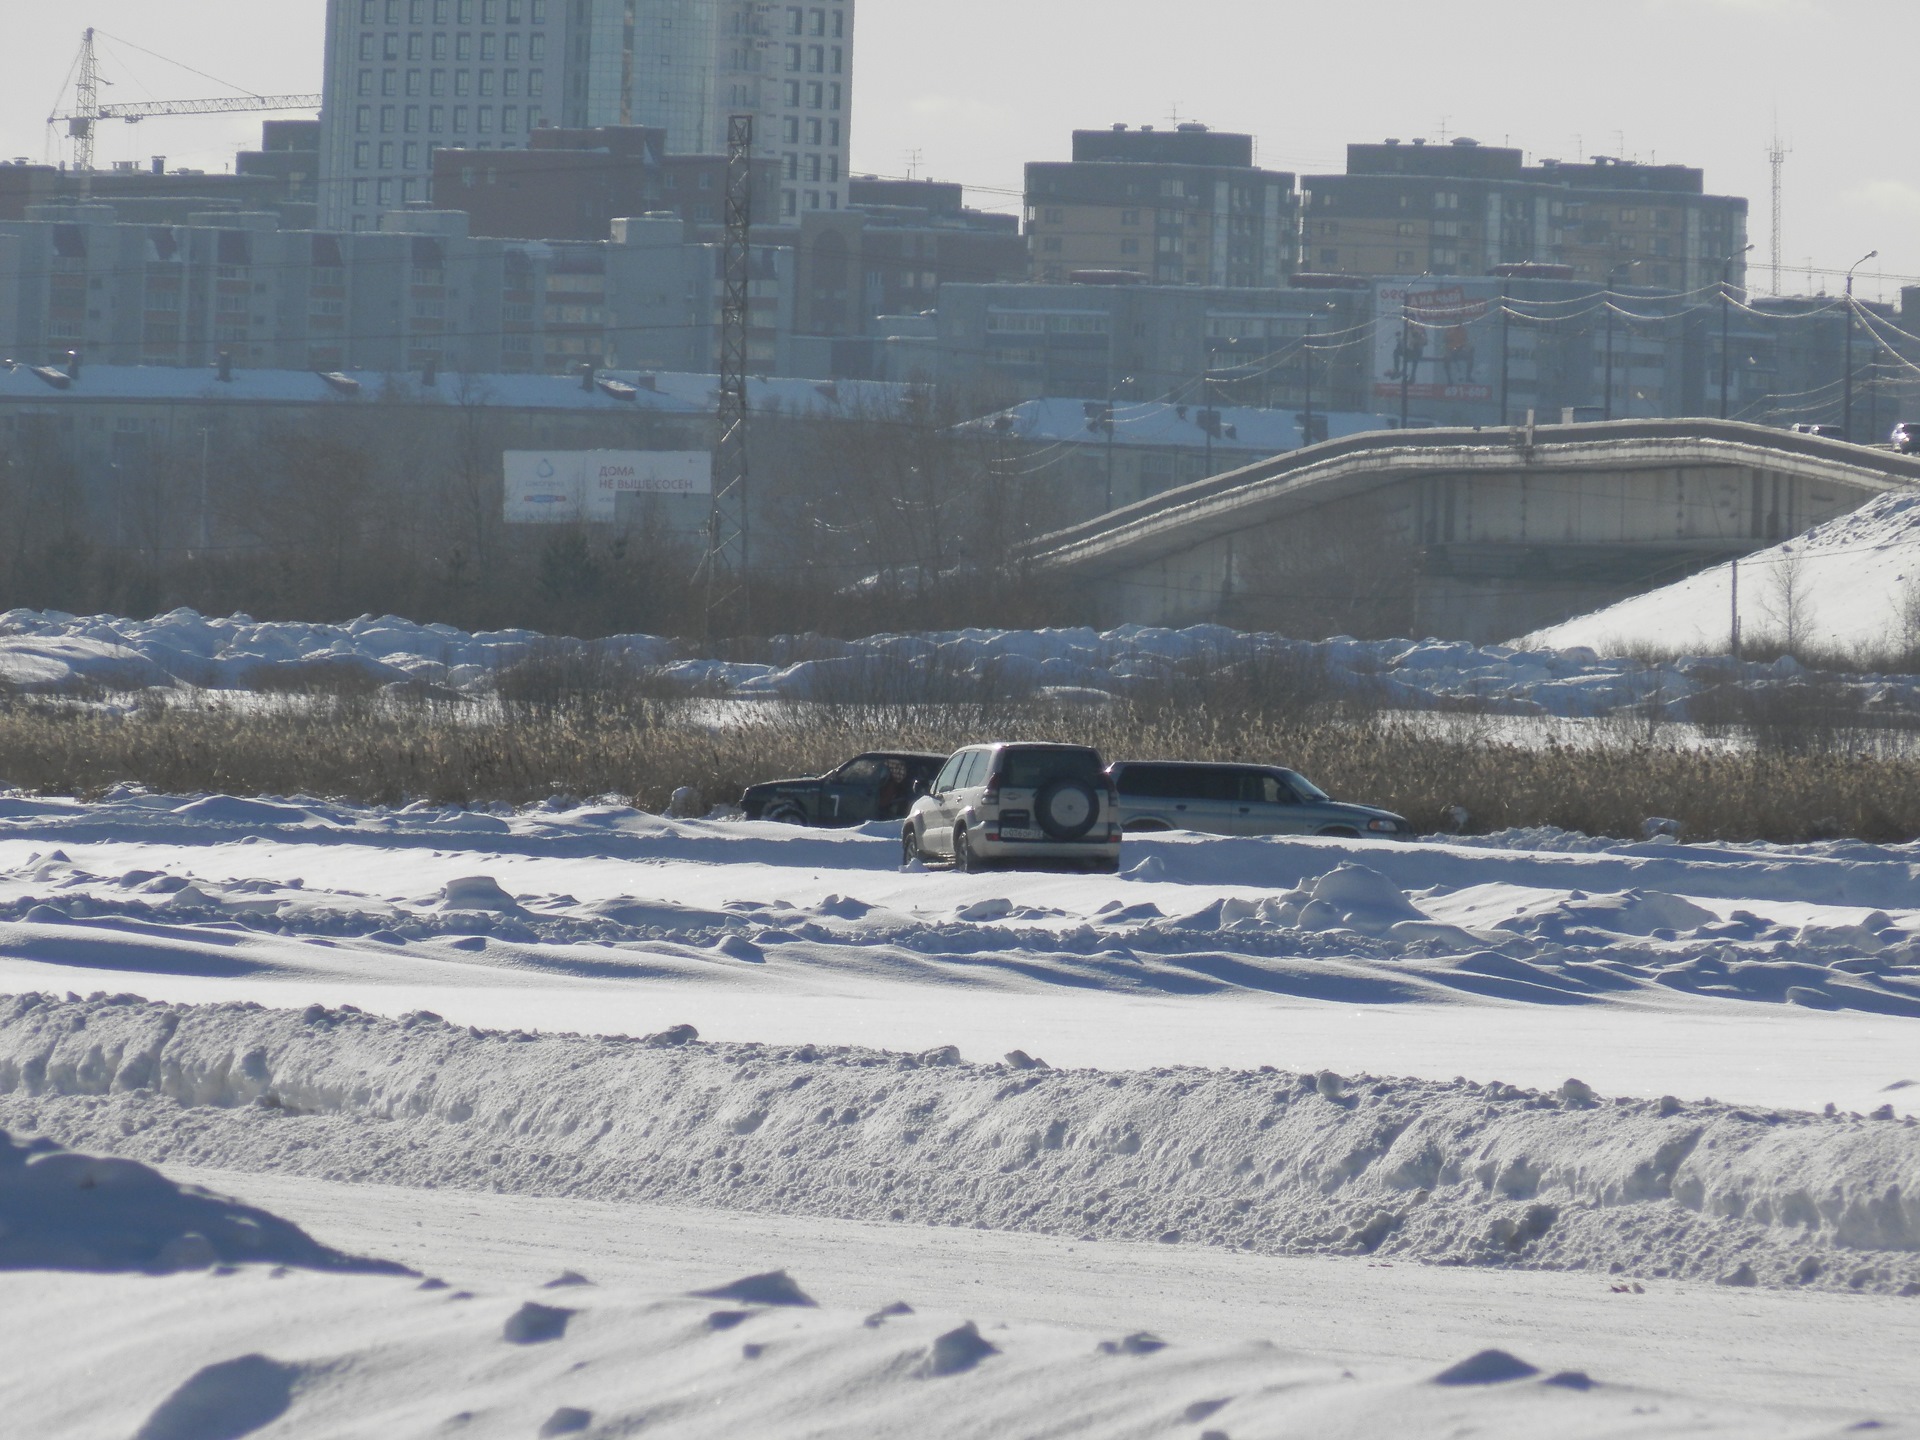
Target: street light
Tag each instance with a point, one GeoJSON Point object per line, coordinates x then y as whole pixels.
{"type": "Point", "coordinates": [1846, 419]}
{"type": "Point", "coordinates": [1612, 271]}
{"type": "Point", "coordinates": [1726, 317]}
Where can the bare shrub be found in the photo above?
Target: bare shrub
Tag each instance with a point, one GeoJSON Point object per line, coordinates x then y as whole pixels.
{"type": "Point", "coordinates": [1788, 601]}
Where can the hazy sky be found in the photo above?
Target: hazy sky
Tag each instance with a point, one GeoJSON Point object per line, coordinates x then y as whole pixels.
{"type": "Point", "coordinates": [981, 86]}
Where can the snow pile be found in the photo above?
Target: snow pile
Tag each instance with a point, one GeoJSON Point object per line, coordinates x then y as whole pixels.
{"type": "Point", "coordinates": [1454, 1173]}
{"type": "Point", "coordinates": [332, 1356]}
{"type": "Point", "coordinates": [1852, 584]}
{"type": "Point", "coordinates": [62, 1211]}
{"type": "Point", "coordinates": [54, 652]}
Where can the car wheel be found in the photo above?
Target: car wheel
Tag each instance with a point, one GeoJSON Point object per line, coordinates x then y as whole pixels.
{"type": "Point", "coordinates": [1149, 827]}
{"type": "Point", "coordinates": [1105, 867]}
{"type": "Point", "coordinates": [1341, 832]}
{"type": "Point", "coordinates": [909, 847]}
{"type": "Point", "coordinates": [964, 860]}
{"type": "Point", "coordinates": [785, 813]}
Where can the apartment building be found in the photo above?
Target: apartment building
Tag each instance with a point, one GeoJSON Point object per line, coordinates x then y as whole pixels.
{"type": "Point", "coordinates": [404, 77]}
{"type": "Point", "coordinates": [1199, 345]}
{"type": "Point", "coordinates": [687, 66]}
{"type": "Point", "coordinates": [1181, 207]}
{"type": "Point", "coordinates": [1464, 208]}
{"type": "Point", "coordinates": [573, 184]}
{"type": "Point", "coordinates": [421, 294]}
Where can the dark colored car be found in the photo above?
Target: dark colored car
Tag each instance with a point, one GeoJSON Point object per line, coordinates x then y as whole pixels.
{"type": "Point", "coordinates": [880, 785]}
{"type": "Point", "coordinates": [1906, 437]}
{"type": "Point", "coordinates": [1239, 800]}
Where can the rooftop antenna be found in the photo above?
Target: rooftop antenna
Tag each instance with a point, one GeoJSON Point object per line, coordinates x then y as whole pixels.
{"type": "Point", "coordinates": [1777, 154]}
{"type": "Point", "coordinates": [914, 157]}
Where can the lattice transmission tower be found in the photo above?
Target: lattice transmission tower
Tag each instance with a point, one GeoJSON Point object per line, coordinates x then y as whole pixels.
{"type": "Point", "coordinates": [1777, 157]}
{"type": "Point", "coordinates": [729, 594]}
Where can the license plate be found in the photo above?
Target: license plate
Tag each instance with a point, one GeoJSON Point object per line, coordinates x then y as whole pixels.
{"type": "Point", "coordinates": [1018, 833]}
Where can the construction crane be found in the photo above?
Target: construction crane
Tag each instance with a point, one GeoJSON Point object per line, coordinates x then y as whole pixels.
{"type": "Point", "coordinates": [83, 120]}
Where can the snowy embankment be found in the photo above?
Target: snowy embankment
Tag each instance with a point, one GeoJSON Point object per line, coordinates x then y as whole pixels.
{"type": "Point", "coordinates": [1850, 585]}
{"type": "Point", "coordinates": [1455, 1173]}
{"type": "Point", "coordinates": [232, 1353]}
{"type": "Point", "coordinates": [53, 652]}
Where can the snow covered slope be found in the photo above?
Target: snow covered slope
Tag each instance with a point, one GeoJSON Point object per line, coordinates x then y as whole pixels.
{"type": "Point", "coordinates": [52, 652]}
{"type": "Point", "coordinates": [1852, 584]}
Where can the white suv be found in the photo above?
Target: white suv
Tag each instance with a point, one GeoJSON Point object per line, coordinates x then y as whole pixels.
{"type": "Point", "coordinates": [1017, 802]}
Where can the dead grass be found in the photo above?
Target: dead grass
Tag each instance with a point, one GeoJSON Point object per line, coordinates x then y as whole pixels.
{"type": "Point", "coordinates": [390, 749]}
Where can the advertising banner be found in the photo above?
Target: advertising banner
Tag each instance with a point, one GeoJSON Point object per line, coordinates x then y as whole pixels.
{"type": "Point", "coordinates": [570, 487]}
{"type": "Point", "coordinates": [1439, 339]}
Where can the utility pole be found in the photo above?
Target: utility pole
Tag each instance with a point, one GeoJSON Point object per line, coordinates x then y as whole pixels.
{"type": "Point", "coordinates": [1726, 318]}
{"type": "Point", "coordinates": [728, 586]}
{"type": "Point", "coordinates": [206, 458]}
{"type": "Point", "coordinates": [1506, 318]}
{"type": "Point", "coordinates": [1211, 421]}
{"type": "Point", "coordinates": [1306, 437]}
{"type": "Point", "coordinates": [1106, 419]}
{"type": "Point", "coordinates": [1611, 272]}
{"type": "Point", "coordinates": [1734, 632]}
{"type": "Point", "coordinates": [1406, 352]}
{"type": "Point", "coordinates": [1846, 418]}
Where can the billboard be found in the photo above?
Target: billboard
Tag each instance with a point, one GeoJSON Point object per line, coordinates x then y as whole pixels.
{"type": "Point", "coordinates": [1436, 340]}
{"type": "Point", "coordinates": [570, 487]}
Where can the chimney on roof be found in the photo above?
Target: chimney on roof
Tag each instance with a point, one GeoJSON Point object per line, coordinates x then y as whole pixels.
{"type": "Point", "coordinates": [587, 374]}
{"type": "Point", "coordinates": [159, 164]}
{"type": "Point", "coordinates": [430, 374]}
{"type": "Point", "coordinates": [73, 364]}
{"type": "Point", "coordinates": [226, 367]}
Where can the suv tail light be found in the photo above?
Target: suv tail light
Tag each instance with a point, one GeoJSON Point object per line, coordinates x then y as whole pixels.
{"type": "Point", "coordinates": [995, 780]}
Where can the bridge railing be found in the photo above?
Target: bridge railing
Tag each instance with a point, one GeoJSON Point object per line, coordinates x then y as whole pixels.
{"type": "Point", "coordinates": [1492, 438]}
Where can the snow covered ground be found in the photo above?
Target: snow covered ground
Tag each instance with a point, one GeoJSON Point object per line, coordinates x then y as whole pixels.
{"type": "Point", "coordinates": [52, 652]}
{"type": "Point", "coordinates": [1329, 1081]}
{"type": "Point", "coordinates": [899, 1338]}
{"type": "Point", "coordinates": [1852, 584]}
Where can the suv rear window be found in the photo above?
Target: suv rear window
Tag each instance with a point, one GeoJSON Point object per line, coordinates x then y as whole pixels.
{"type": "Point", "coordinates": [1030, 769]}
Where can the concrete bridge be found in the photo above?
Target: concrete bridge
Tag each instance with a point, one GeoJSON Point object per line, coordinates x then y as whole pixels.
{"type": "Point", "coordinates": [1477, 534]}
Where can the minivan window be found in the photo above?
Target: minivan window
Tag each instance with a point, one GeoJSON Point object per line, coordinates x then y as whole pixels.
{"type": "Point", "coordinates": [1151, 782]}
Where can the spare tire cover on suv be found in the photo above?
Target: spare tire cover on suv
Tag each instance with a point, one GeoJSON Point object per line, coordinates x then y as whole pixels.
{"type": "Point", "coordinates": [1066, 808]}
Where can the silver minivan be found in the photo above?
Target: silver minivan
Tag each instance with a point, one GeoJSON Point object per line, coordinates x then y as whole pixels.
{"type": "Point", "coordinates": [1218, 799]}
{"type": "Point", "coordinates": [1016, 802]}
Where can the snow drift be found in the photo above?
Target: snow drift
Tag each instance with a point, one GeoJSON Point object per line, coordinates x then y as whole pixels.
{"type": "Point", "coordinates": [1454, 1173]}
{"type": "Point", "coordinates": [62, 1211]}
{"type": "Point", "coordinates": [326, 1355]}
